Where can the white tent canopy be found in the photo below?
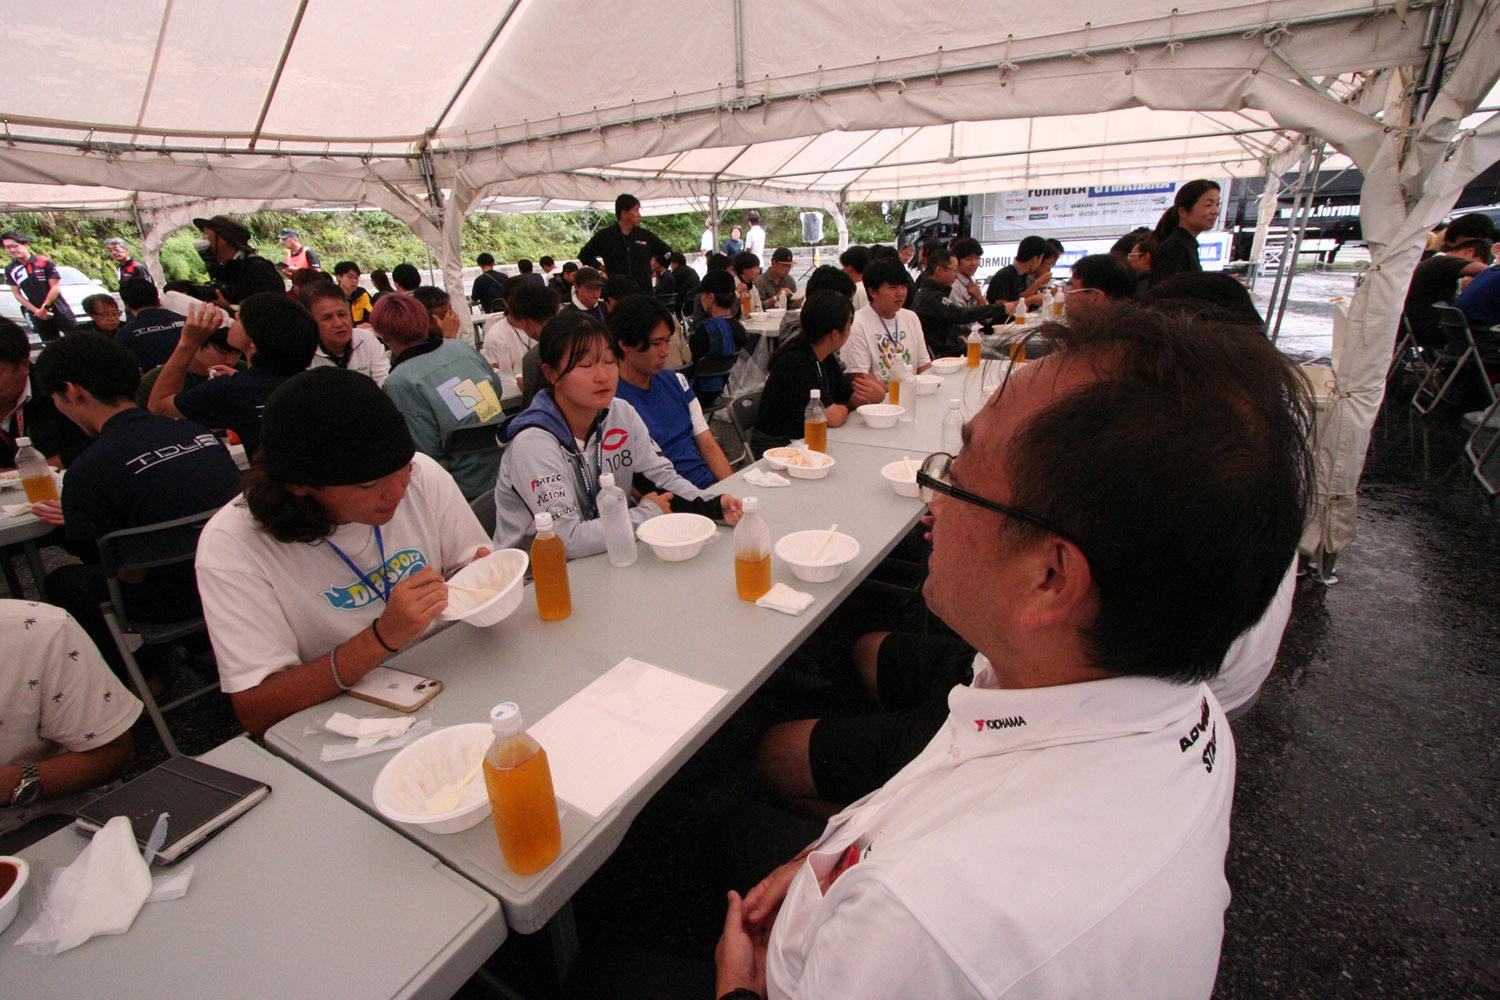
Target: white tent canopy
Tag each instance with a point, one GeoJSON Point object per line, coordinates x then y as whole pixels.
{"type": "Point", "coordinates": [200, 106]}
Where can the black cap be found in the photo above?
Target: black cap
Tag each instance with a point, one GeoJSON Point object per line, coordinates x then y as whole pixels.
{"type": "Point", "coordinates": [332, 427]}
{"type": "Point", "coordinates": [782, 253]}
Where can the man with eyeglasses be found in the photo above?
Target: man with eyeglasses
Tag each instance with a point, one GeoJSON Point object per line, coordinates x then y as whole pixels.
{"type": "Point", "coordinates": [945, 325]}
{"type": "Point", "coordinates": [1099, 281]}
{"type": "Point", "coordinates": [1063, 831]}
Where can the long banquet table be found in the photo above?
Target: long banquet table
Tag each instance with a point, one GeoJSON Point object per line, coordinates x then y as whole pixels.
{"type": "Point", "coordinates": [684, 617]}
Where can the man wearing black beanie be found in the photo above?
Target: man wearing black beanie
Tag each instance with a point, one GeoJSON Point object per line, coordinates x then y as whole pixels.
{"type": "Point", "coordinates": [274, 333]}
{"type": "Point", "coordinates": [336, 554]}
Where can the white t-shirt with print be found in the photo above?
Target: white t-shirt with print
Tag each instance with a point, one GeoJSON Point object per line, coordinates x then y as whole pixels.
{"type": "Point", "coordinates": [273, 605]}
{"type": "Point", "coordinates": [56, 694]}
{"type": "Point", "coordinates": [875, 343]}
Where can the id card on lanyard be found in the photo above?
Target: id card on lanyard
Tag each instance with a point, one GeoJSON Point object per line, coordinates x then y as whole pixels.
{"type": "Point", "coordinates": [890, 343]}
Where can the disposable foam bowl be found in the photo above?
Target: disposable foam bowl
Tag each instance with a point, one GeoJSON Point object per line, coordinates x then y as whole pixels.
{"type": "Point", "coordinates": [948, 366]}
{"type": "Point", "coordinates": [776, 457]}
{"type": "Point", "coordinates": [817, 465]}
{"type": "Point", "coordinates": [927, 383]}
{"type": "Point", "coordinates": [419, 771]}
{"type": "Point", "coordinates": [881, 414]}
{"type": "Point", "coordinates": [14, 872]}
{"type": "Point", "coordinates": [501, 572]}
{"type": "Point", "coordinates": [676, 537]}
{"type": "Point", "coordinates": [903, 482]}
{"type": "Point", "coordinates": [796, 548]}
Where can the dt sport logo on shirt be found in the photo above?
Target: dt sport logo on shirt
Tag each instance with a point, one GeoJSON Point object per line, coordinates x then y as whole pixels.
{"type": "Point", "coordinates": [358, 595]}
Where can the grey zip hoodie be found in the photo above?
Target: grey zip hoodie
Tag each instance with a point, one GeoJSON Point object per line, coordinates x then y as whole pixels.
{"type": "Point", "coordinates": [543, 469]}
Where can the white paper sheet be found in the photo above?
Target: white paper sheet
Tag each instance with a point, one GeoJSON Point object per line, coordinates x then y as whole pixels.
{"type": "Point", "coordinates": [603, 739]}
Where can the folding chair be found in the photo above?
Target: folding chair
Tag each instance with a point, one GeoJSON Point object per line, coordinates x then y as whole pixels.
{"type": "Point", "coordinates": [1407, 358]}
{"type": "Point", "coordinates": [1483, 453]}
{"type": "Point", "coordinates": [712, 366]}
{"type": "Point", "coordinates": [483, 507]}
{"type": "Point", "coordinates": [472, 438]}
{"type": "Point", "coordinates": [1458, 355]}
{"type": "Point", "coordinates": [742, 413]}
{"type": "Point", "coordinates": [151, 546]}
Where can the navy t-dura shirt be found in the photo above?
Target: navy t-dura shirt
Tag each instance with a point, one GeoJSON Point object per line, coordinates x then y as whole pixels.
{"type": "Point", "coordinates": [151, 335]}
{"type": "Point", "coordinates": [144, 469]}
{"type": "Point", "coordinates": [232, 401]}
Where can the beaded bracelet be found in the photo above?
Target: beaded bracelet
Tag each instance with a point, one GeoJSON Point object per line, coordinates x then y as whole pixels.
{"type": "Point", "coordinates": [334, 666]}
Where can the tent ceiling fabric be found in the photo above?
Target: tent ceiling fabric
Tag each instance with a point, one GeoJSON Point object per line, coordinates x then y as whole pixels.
{"type": "Point", "coordinates": [512, 101]}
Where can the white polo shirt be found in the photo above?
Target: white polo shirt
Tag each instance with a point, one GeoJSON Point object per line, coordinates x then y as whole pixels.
{"type": "Point", "coordinates": [272, 605]}
{"type": "Point", "coordinates": [875, 344]}
{"type": "Point", "coordinates": [1049, 842]}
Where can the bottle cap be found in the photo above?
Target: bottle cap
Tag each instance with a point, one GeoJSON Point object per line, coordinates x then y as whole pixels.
{"type": "Point", "coordinates": [749, 505]}
{"type": "Point", "coordinates": [543, 521]}
{"type": "Point", "coordinates": [817, 394]}
{"type": "Point", "coordinates": [23, 442]}
{"type": "Point", "coordinates": [952, 404]}
{"type": "Point", "coordinates": [505, 719]}
{"type": "Point", "coordinates": [608, 479]}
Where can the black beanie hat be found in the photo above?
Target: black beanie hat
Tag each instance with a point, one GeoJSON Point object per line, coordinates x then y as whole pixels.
{"type": "Point", "coordinates": [332, 427]}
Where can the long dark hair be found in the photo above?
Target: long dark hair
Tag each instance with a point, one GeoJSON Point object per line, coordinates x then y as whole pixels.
{"type": "Point", "coordinates": [288, 517]}
{"type": "Point", "coordinates": [823, 314]}
{"type": "Point", "coordinates": [1187, 197]}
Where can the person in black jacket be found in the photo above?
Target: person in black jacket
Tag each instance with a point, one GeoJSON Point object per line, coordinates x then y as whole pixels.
{"type": "Point", "coordinates": [491, 287]}
{"type": "Point", "coordinates": [1194, 210]}
{"type": "Point", "coordinates": [239, 272]}
{"type": "Point", "coordinates": [945, 326]}
{"type": "Point", "coordinates": [810, 361]}
{"type": "Point", "coordinates": [24, 412]}
{"type": "Point", "coordinates": [626, 247]}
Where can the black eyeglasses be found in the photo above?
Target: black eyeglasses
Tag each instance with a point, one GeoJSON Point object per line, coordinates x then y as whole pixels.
{"type": "Point", "coordinates": [935, 477]}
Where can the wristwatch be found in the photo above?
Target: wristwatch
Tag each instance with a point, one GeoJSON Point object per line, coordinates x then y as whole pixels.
{"type": "Point", "coordinates": [30, 788]}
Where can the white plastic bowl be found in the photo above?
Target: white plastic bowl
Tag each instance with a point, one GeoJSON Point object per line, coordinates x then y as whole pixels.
{"type": "Point", "coordinates": [419, 771]}
{"type": "Point", "coordinates": [501, 572]}
{"type": "Point", "coordinates": [10, 901]}
{"type": "Point", "coordinates": [676, 537]}
{"type": "Point", "coordinates": [776, 457]}
{"type": "Point", "coordinates": [818, 471]}
{"type": "Point", "coordinates": [881, 415]}
{"type": "Point", "coordinates": [927, 383]}
{"type": "Point", "coordinates": [794, 550]}
{"type": "Point", "coordinates": [903, 483]}
{"type": "Point", "coordinates": [948, 366]}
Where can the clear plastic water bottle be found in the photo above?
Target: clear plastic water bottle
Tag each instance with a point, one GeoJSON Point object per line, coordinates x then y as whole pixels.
{"type": "Point", "coordinates": [815, 423]}
{"type": "Point", "coordinates": [519, 781]}
{"type": "Point", "coordinates": [36, 475]}
{"type": "Point", "coordinates": [614, 511]}
{"type": "Point", "coordinates": [752, 552]}
{"type": "Point", "coordinates": [953, 429]}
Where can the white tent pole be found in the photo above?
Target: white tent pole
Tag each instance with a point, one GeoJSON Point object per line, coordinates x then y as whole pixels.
{"type": "Point", "coordinates": [841, 223]}
{"type": "Point", "coordinates": [1266, 211]}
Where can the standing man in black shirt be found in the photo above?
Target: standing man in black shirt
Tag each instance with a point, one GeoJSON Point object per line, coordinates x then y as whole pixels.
{"type": "Point", "coordinates": [626, 247]}
{"type": "Point", "coordinates": [126, 267]}
{"type": "Point", "coordinates": [38, 287]}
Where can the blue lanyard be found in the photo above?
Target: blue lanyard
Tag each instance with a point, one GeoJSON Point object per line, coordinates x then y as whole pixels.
{"type": "Point", "coordinates": [384, 595]}
{"type": "Point", "coordinates": [589, 483]}
{"type": "Point", "coordinates": [894, 339]}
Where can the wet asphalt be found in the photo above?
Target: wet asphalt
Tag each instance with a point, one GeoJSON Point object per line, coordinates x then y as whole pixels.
{"type": "Point", "coordinates": [1364, 860]}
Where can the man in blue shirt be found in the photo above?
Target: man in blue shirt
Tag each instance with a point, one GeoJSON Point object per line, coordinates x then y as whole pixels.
{"type": "Point", "coordinates": [643, 328]}
{"type": "Point", "coordinates": [151, 332]}
{"type": "Point", "coordinates": [277, 337]}
{"type": "Point", "coordinates": [141, 469]}
{"type": "Point", "coordinates": [1480, 302]}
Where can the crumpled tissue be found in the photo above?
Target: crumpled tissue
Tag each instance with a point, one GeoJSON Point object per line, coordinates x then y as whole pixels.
{"type": "Point", "coordinates": [764, 478]}
{"type": "Point", "coordinates": [99, 893]}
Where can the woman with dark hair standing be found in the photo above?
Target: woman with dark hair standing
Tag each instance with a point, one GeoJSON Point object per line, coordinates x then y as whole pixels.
{"type": "Point", "coordinates": [574, 431]}
{"type": "Point", "coordinates": [335, 555]}
{"type": "Point", "coordinates": [810, 361]}
{"type": "Point", "coordinates": [1194, 212]}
